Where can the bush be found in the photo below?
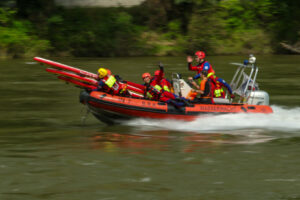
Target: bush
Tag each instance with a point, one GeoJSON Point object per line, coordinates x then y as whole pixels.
{"type": "Point", "coordinates": [15, 38]}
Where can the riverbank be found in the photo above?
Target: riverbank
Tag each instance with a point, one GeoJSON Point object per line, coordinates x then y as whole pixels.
{"type": "Point", "coordinates": [153, 28]}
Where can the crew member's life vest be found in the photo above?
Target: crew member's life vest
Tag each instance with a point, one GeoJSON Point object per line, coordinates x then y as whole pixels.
{"type": "Point", "coordinates": [218, 91]}
{"type": "Point", "coordinates": [210, 76]}
{"type": "Point", "coordinates": [205, 87]}
{"type": "Point", "coordinates": [153, 92]}
{"type": "Point", "coordinates": [112, 83]}
{"type": "Point", "coordinates": [212, 83]}
{"type": "Point", "coordinates": [166, 85]}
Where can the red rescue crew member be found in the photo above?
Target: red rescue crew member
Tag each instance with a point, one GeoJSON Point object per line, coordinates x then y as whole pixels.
{"type": "Point", "coordinates": [150, 91]}
{"type": "Point", "coordinates": [108, 83]}
{"type": "Point", "coordinates": [154, 91]}
{"type": "Point", "coordinates": [217, 83]}
{"type": "Point", "coordinates": [219, 91]}
{"type": "Point", "coordinates": [202, 64]}
{"type": "Point", "coordinates": [164, 83]}
{"type": "Point", "coordinates": [204, 89]}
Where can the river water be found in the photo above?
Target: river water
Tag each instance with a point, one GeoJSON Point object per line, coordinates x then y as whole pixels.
{"type": "Point", "coordinates": [50, 148]}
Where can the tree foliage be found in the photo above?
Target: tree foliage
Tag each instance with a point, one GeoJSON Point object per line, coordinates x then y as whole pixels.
{"type": "Point", "coordinates": [16, 38]}
{"type": "Point", "coordinates": [156, 27]}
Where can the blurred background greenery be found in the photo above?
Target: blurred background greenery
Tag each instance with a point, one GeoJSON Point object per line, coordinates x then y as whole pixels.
{"type": "Point", "coordinates": [154, 27]}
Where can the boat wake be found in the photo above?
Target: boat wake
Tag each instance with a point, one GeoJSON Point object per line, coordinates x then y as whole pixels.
{"type": "Point", "coordinates": [282, 120]}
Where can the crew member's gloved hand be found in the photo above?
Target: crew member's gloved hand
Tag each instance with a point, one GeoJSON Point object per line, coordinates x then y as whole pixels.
{"type": "Point", "coordinates": [118, 78]}
{"type": "Point", "coordinates": [232, 96]}
{"type": "Point", "coordinates": [160, 65]}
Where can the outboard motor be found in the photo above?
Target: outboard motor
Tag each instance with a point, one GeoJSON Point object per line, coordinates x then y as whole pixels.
{"type": "Point", "coordinates": [259, 97]}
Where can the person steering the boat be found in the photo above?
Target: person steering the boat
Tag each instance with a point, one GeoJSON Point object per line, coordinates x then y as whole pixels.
{"type": "Point", "coordinates": [108, 83]}
{"type": "Point", "coordinates": [217, 86]}
{"type": "Point", "coordinates": [154, 91]}
{"type": "Point", "coordinates": [204, 89]}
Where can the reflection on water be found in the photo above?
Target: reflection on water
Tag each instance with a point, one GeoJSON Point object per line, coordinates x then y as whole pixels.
{"type": "Point", "coordinates": [162, 140]}
{"type": "Point", "coordinates": [112, 142]}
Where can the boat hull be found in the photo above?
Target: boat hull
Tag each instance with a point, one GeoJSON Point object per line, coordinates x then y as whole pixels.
{"type": "Point", "coordinates": [110, 108]}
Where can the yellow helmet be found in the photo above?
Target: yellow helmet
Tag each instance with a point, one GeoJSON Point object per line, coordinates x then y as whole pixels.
{"type": "Point", "coordinates": [102, 72]}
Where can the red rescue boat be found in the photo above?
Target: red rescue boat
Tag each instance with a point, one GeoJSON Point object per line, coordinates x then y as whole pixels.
{"type": "Point", "coordinates": [109, 108]}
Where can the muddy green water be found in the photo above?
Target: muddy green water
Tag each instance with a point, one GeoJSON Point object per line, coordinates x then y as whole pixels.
{"type": "Point", "coordinates": [50, 148]}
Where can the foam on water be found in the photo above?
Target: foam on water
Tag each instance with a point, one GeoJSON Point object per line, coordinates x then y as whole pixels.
{"type": "Point", "coordinates": [283, 119]}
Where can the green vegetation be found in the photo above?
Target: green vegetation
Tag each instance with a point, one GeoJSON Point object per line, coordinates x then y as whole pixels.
{"type": "Point", "coordinates": [16, 39]}
{"type": "Point", "coordinates": [166, 27]}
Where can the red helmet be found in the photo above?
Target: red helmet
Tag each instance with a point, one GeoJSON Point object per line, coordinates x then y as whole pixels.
{"type": "Point", "coordinates": [156, 73]}
{"type": "Point", "coordinates": [146, 75]}
{"type": "Point", "coordinates": [200, 54]}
